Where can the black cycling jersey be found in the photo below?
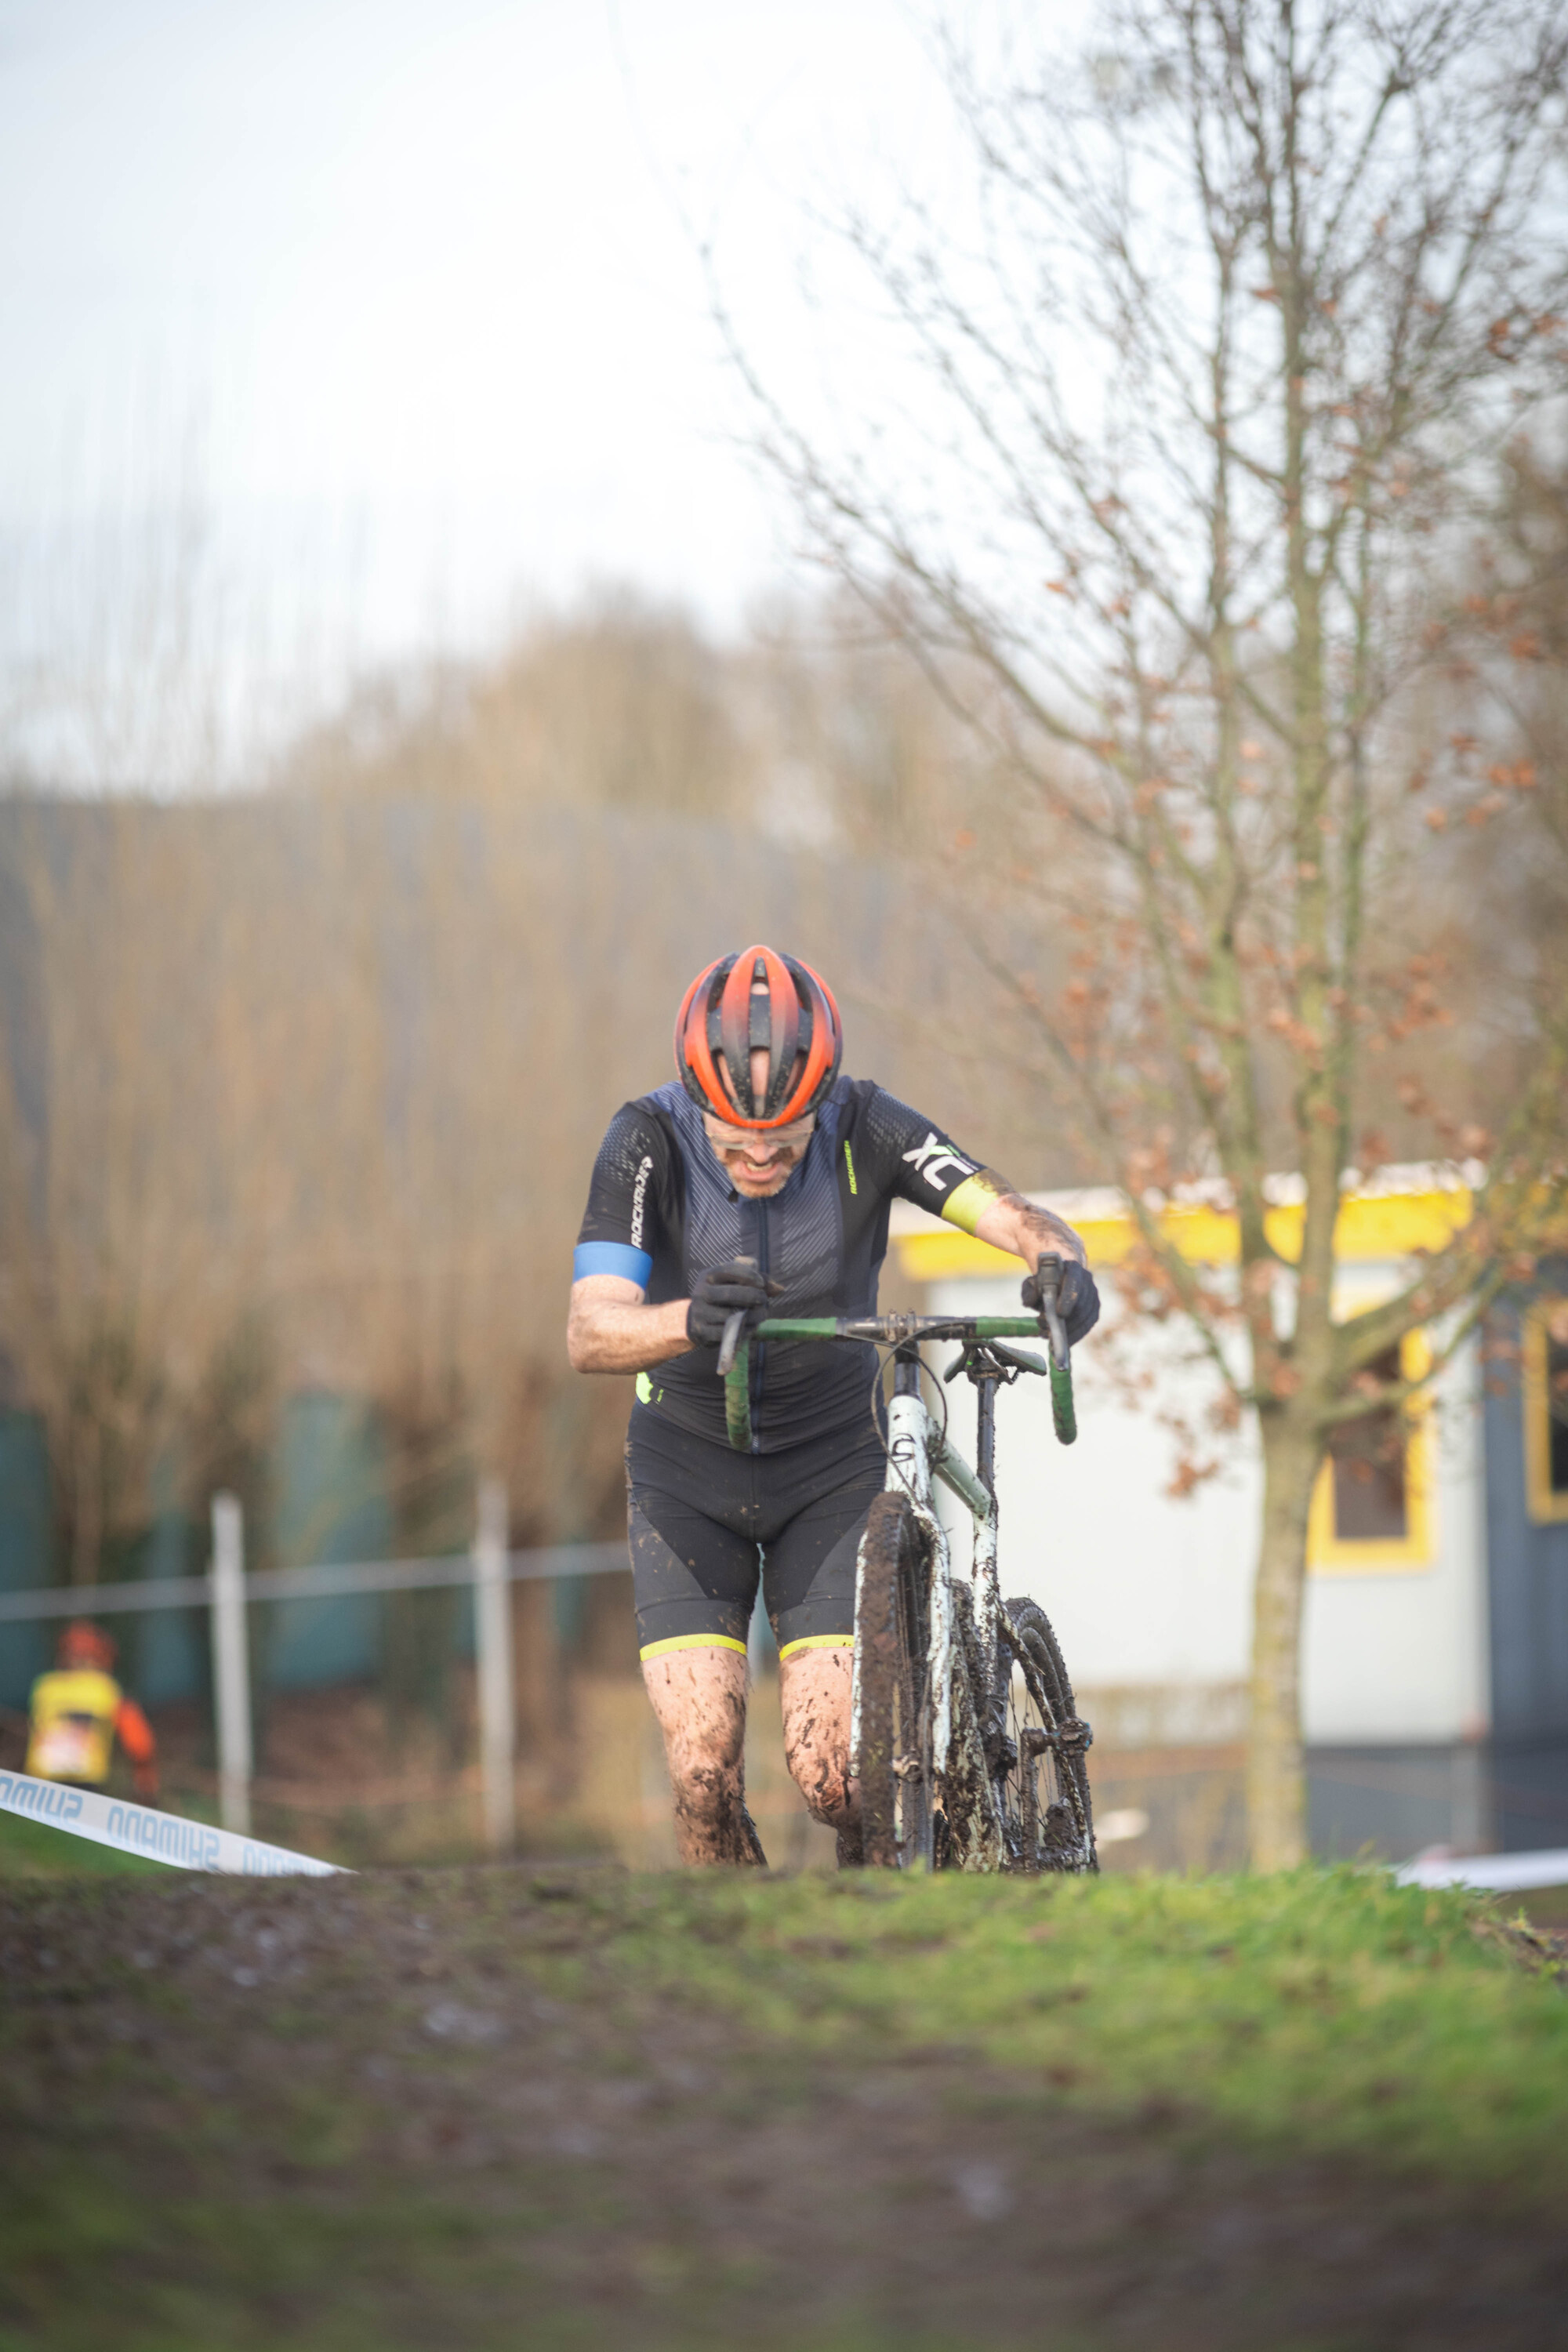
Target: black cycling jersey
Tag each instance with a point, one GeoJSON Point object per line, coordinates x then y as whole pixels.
{"type": "Point", "coordinates": [661, 1210]}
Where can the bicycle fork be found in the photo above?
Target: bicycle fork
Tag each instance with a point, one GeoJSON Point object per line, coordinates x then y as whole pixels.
{"type": "Point", "coordinates": [983, 1572]}
{"type": "Point", "coordinates": [908, 1473]}
{"type": "Point", "coordinates": [961, 1783]}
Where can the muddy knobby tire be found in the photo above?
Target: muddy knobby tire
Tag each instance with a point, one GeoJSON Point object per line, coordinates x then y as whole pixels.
{"type": "Point", "coordinates": [890, 1663]}
{"type": "Point", "coordinates": [1059, 1833]}
{"type": "Point", "coordinates": [974, 1830]}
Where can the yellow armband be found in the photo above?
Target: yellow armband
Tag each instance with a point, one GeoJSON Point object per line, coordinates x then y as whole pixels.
{"type": "Point", "coordinates": [967, 1202]}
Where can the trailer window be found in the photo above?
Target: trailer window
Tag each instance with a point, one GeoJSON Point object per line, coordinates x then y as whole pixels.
{"type": "Point", "coordinates": [1545, 1401]}
{"type": "Point", "coordinates": [1366, 1459]}
{"type": "Point", "coordinates": [1372, 1509]}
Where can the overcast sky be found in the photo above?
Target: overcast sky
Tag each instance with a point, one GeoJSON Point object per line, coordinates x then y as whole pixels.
{"type": "Point", "coordinates": [403, 294]}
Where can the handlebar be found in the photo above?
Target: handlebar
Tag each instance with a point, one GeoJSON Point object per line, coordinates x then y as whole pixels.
{"type": "Point", "coordinates": [899, 1332]}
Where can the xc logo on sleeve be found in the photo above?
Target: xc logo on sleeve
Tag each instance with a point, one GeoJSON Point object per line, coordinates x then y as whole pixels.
{"type": "Point", "coordinates": [932, 1158]}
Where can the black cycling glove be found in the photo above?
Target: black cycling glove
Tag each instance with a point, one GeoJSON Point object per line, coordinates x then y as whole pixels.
{"type": "Point", "coordinates": [716, 1294]}
{"type": "Point", "coordinates": [1077, 1300]}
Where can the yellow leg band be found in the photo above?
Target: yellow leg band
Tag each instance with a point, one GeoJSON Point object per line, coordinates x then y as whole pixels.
{"type": "Point", "coordinates": [818, 1642]}
{"type": "Point", "coordinates": [692, 1641]}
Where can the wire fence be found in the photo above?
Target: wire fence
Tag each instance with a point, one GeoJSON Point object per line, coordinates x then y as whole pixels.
{"type": "Point", "coordinates": [329, 1581]}
{"type": "Point", "coordinates": [1132, 1773]}
{"type": "Point", "coordinates": [487, 1570]}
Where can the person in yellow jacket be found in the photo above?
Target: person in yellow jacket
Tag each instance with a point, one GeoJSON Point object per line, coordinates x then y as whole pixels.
{"type": "Point", "coordinates": [79, 1711]}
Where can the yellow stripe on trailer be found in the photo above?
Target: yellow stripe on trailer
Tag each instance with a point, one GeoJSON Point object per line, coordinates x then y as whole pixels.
{"type": "Point", "coordinates": [1369, 1226]}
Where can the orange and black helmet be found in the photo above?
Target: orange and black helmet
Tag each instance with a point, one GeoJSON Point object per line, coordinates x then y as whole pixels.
{"type": "Point", "coordinates": [83, 1643]}
{"type": "Point", "coordinates": [758, 998]}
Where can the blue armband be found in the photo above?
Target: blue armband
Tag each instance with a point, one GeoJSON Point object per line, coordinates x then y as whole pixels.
{"type": "Point", "coordinates": [612, 1258]}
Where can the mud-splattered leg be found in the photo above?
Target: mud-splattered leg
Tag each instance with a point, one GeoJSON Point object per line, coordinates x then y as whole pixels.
{"type": "Point", "coordinates": [699, 1698]}
{"type": "Point", "coordinates": [813, 1693]}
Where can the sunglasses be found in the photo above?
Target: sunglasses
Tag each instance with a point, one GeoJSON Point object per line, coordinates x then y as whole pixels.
{"type": "Point", "coordinates": [728, 1141]}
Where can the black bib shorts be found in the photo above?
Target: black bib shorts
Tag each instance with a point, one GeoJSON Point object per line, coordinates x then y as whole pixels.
{"type": "Point", "coordinates": [705, 1522]}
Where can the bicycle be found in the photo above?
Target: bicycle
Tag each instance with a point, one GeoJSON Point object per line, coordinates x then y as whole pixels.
{"type": "Point", "coordinates": [961, 1702]}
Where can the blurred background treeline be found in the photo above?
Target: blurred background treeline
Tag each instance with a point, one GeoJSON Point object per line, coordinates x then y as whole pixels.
{"type": "Point", "coordinates": [301, 1086]}
{"type": "Point", "coordinates": [300, 1090]}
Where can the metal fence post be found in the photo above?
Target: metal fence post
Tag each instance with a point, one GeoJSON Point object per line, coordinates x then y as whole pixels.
{"type": "Point", "coordinates": [231, 1664]}
{"type": "Point", "coordinates": [493, 1643]}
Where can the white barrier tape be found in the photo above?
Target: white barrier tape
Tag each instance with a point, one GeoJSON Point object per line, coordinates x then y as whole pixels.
{"type": "Point", "coordinates": [1498, 1873]}
{"type": "Point", "coordinates": [156, 1836]}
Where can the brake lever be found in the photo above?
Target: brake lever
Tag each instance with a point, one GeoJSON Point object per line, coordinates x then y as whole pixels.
{"type": "Point", "coordinates": [731, 1341]}
{"type": "Point", "coordinates": [735, 1324]}
{"type": "Point", "coordinates": [1049, 1274]}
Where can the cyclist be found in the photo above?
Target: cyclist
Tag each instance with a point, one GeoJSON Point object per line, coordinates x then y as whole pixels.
{"type": "Point", "coordinates": [759, 1181]}
{"type": "Point", "coordinates": [77, 1713]}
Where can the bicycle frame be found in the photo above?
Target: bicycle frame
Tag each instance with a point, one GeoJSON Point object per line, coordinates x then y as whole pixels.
{"type": "Point", "coordinates": [919, 1453]}
{"type": "Point", "coordinates": [915, 1451]}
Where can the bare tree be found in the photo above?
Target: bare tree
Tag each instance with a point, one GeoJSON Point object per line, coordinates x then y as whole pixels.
{"type": "Point", "coordinates": [1208, 354]}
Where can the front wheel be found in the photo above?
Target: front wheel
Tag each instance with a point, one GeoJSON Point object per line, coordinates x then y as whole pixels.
{"type": "Point", "coordinates": [1042, 1786]}
{"type": "Point", "coordinates": [892, 1620]}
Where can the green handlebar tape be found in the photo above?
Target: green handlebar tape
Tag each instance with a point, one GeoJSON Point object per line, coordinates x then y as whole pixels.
{"type": "Point", "coordinates": [738, 1400]}
{"type": "Point", "coordinates": [1062, 1411]}
{"type": "Point", "coordinates": [738, 1379]}
{"type": "Point", "coordinates": [826, 1326]}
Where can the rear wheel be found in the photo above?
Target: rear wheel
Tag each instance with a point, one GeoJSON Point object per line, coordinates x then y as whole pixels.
{"type": "Point", "coordinates": [1042, 1784]}
{"type": "Point", "coordinates": [892, 1618]}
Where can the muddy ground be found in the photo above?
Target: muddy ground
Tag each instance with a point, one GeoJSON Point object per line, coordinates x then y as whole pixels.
{"type": "Point", "coordinates": [468, 2108]}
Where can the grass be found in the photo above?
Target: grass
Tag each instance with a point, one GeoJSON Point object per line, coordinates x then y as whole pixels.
{"type": "Point", "coordinates": [1330, 2009]}
{"type": "Point", "coordinates": [33, 1850]}
{"type": "Point", "coordinates": [568, 2107]}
